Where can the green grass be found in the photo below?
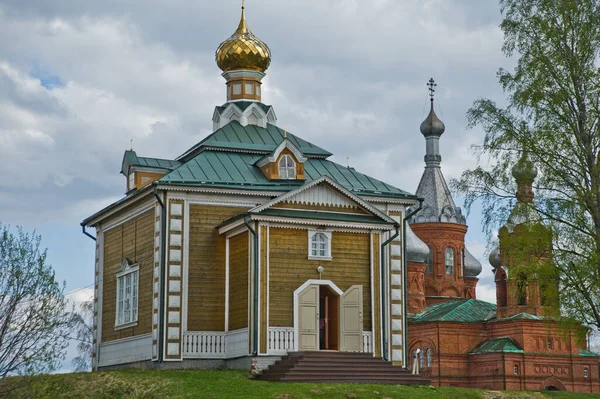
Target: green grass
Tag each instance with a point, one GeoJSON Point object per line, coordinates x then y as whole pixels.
{"type": "Point", "coordinates": [155, 384]}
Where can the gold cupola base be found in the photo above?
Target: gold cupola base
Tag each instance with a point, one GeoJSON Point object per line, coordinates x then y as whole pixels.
{"type": "Point", "coordinates": [244, 84]}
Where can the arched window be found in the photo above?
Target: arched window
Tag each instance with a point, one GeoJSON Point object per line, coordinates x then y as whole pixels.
{"type": "Point", "coordinates": [429, 267]}
{"type": "Point", "coordinates": [522, 289]}
{"type": "Point", "coordinates": [421, 359]}
{"type": "Point", "coordinates": [449, 260]}
{"type": "Point", "coordinates": [287, 168]}
{"type": "Point", "coordinates": [428, 354]}
{"type": "Point", "coordinates": [462, 262]}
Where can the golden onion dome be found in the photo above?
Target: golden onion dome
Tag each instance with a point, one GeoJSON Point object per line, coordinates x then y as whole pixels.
{"type": "Point", "coordinates": [243, 50]}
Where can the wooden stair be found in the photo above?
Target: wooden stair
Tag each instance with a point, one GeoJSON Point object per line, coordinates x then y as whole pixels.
{"type": "Point", "coordinates": [339, 367]}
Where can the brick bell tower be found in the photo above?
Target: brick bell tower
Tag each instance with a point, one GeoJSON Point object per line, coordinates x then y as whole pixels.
{"type": "Point", "coordinates": [451, 270]}
{"type": "Point", "coordinates": [525, 277]}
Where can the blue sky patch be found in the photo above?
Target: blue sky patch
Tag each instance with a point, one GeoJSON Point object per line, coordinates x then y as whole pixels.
{"type": "Point", "coordinates": [46, 77]}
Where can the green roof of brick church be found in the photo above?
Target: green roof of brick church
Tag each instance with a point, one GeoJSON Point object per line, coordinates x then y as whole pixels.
{"type": "Point", "coordinates": [227, 159]}
{"type": "Point", "coordinates": [495, 345]}
{"type": "Point", "coordinates": [461, 310]}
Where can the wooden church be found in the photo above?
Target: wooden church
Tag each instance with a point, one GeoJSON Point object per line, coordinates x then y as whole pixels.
{"type": "Point", "coordinates": [249, 246]}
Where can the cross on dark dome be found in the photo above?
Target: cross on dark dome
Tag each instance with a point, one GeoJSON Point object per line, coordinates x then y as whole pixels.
{"type": "Point", "coordinates": [431, 86]}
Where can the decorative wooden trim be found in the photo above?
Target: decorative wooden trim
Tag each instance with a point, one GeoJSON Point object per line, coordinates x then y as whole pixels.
{"type": "Point", "coordinates": [142, 208]}
{"type": "Point", "coordinates": [227, 284]}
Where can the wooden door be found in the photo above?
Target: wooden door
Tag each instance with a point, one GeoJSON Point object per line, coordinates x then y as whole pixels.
{"type": "Point", "coordinates": [351, 321]}
{"type": "Point", "coordinates": [308, 311]}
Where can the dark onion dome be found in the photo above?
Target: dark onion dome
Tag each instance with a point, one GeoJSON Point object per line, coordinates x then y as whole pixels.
{"type": "Point", "coordinates": [416, 250]}
{"type": "Point", "coordinates": [524, 170]}
{"type": "Point", "coordinates": [243, 50]}
{"type": "Point", "coordinates": [494, 258]}
{"type": "Point", "coordinates": [472, 265]}
{"type": "Point", "coordinates": [432, 125]}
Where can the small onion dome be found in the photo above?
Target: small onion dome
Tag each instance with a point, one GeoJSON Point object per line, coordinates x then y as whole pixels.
{"type": "Point", "coordinates": [416, 250]}
{"type": "Point", "coordinates": [243, 50]}
{"type": "Point", "coordinates": [524, 170]}
{"type": "Point", "coordinates": [472, 266]}
{"type": "Point", "coordinates": [432, 125]}
{"type": "Point", "coordinates": [494, 258]}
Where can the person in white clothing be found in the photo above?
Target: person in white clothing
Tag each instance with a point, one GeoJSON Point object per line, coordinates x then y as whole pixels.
{"type": "Point", "coordinates": [416, 355]}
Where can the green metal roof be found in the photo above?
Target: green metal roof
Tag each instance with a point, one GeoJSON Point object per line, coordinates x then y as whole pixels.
{"type": "Point", "coordinates": [131, 159]}
{"type": "Point", "coordinates": [521, 316]}
{"type": "Point", "coordinates": [583, 352]}
{"type": "Point", "coordinates": [495, 345]}
{"type": "Point", "coordinates": [237, 170]}
{"type": "Point", "coordinates": [461, 310]}
{"type": "Point", "coordinates": [234, 136]}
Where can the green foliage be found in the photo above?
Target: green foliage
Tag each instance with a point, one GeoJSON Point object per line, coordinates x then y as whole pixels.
{"type": "Point", "coordinates": [223, 384]}
{"type": "Point", "coordinates": [34, 324]}
{"type": "Point", "coordinates": [553, 116]}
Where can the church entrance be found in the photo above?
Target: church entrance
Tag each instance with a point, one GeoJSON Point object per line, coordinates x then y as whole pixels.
{"type": "Point", "coordinates": [328, 318]}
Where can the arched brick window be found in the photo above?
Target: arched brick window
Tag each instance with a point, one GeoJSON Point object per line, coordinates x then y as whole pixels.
{"type": "Point", "coordinates": [449, 260]}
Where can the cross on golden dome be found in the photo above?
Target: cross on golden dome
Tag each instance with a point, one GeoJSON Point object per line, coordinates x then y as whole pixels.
{"type": "Point", "coordinates": [243, 50]}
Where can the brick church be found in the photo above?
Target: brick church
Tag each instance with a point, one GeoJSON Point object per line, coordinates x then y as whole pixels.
{"type": "Point", "coordinates": [466, 342]}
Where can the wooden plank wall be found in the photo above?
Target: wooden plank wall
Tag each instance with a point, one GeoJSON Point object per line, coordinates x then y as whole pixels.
{"type": "Point", "coordinates": [206, 295]}
{"type": "Point", "coordinates": [133, 240]}
{"type": "Point", "coordinates": [238, 281]}
{"type": "Point", "coordinates": [290, 268]}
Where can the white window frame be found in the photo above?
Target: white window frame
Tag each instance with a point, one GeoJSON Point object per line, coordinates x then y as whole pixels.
{"type": "Point", "coordinates": [311, 235]}
{"type": "Point", "coordinates": [287, 169]}
{"type": "Point", "coordinates": [586, 372]}
{"type": "Point", "coordinates": [121, 276]}
{"type": "Point", "coordinates": [131, 180]}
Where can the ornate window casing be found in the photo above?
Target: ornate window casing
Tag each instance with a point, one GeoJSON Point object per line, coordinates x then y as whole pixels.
{"type": "Point", "coordinates": [319, 245]}
{"type": "Point", "coordinates": [449, 260]}
{"type": "Point", "coordinates": [127, 294]}
{"type": "Point", "coordinates": [429, 264]}
{"type": "Point", "coordinates": [287, 168]}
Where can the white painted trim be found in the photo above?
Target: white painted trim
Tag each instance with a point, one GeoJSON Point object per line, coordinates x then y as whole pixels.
{"type": "Point", "coordinates": [143, 208]}
{"type": "Point", "coordinates": [227, 284]}
{"type": "Point", "coordinates": [124, 270]}
{"type": "Point", "coordinates": [232, 233]}
{"type": "Point", "coordinates": [126, 350]}
{"type": "Point", "coordinates": [126, 202]}
{"type": "Point", "coordinates": [268, 279]}
{"type": "Point", "coordinates": [318, 222]}
{"type": "Point", "coordinates": [307, 227]}
{"type": "Point", "coordinates": [332, 183]}
{"type": "Point", "coordinates": [298, 290]}
{"type": "Point", "coordinates": [381, 293]}
{"type": "Point", "coordinates": [186, 268]}
{"type": "Point", "coordinates": [372, 283]}
{"type": "Point", "coordinates": [220, 198]}
{"type": "Point", "coordinates": [311, 234]}
{"type": "Point", "coordinates": [286, 143]}
{"type": "Point", "coordinates": [164, 258]}
{"type": "Point", "coordinates": [257, 316]}
{"type": "Point", "coordinates": [219, 190]}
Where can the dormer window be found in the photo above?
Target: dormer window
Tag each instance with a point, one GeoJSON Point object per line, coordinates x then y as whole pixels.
{"type": "Point", "coordinates": [287, 168]}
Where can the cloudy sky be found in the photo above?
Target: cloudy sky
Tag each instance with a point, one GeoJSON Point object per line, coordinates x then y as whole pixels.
{"type": "Point", "coordinates": [79, 79]}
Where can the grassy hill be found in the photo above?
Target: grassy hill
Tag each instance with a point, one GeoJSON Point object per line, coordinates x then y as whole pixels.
{"type": "Point", "coordinates": [221, 384]}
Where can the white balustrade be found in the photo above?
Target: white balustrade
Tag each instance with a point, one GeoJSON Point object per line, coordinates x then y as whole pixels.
{"type": "Point", "coordinates": [281, 340]}
{"type": "Point", "coordinates": [215, 344]}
